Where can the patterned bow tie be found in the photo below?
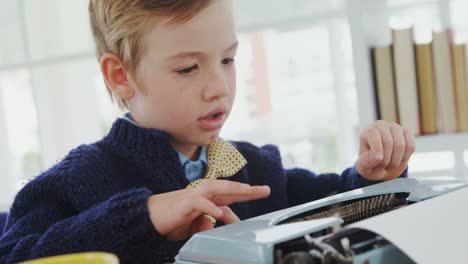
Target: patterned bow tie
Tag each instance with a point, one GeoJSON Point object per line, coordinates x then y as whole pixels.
{"type": "Point", "coordinates": [224, 160]}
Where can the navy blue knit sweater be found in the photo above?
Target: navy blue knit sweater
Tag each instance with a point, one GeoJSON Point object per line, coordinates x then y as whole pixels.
{"type": "Point", "coordinates": [95, 199]}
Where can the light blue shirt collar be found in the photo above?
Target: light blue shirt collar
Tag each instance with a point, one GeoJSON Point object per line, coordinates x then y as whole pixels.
{"type": "Point", "coordinates": [202, 157]}
{"type": "Point", "coordinates": [194, 170]}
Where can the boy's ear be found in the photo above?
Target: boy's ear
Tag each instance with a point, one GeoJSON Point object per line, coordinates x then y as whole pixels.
{"type": "Point", "coordinates": [116, 76]}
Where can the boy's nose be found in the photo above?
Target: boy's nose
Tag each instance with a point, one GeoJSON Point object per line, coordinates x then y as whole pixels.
{"type": "Point", "coordinates": [216, 87]}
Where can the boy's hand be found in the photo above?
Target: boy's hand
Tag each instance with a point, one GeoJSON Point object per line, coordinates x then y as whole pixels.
{"type": "Point", "coordinates": [384, 152]}
{"type": "Point", "coordinates": [179, 214]}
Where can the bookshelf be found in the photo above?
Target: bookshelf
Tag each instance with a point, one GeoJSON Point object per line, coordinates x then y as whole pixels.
{"type": "Point", "coordinates": [369, 26]}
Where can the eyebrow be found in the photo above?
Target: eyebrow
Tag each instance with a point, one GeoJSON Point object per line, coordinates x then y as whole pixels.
{"type": "Point", "coordinates": [233, 46]}
{"type": "Point", "coordinates": [199, 53]}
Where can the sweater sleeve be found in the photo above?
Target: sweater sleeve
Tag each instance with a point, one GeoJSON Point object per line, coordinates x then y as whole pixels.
{"type": "Point", "coordinates": [46, 227]}
{"type": "Point", "coordinates": [305, 186]}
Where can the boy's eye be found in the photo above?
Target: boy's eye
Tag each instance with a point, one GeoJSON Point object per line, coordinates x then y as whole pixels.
{"type": "Point", "coordinates": [188, 70]}
{"type": "Point", "coordinates": [228, 61]}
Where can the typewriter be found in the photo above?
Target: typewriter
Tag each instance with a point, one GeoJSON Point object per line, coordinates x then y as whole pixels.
{"type": "Point", "coordinates": [351, 227]}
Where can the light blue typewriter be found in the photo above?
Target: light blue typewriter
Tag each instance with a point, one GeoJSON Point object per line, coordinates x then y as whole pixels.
{"type": "Point", "coordinates": [326, 230]}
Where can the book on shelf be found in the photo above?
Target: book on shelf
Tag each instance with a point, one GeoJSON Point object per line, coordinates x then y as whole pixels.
{"type": "Point", "coordinates": [444, 82]}
{"type": "Point", "coordinates": [405, 79]}
{"type": "Point", "coordinates": [426, 88]}
{"type": "Point", "coordinates": [422, 86]}
{"type": "Point", "coordinates": [461, 85]}
{"type": "Point", "coordinates": [384, 85]}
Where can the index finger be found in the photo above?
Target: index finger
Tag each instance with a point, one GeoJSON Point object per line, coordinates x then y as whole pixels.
{"type": "Point", "coordinates": [213, 188]}
{"type": "Point", "coordinates": [258, 192]}
{"type": "Point", "coordinates": [374, 141]}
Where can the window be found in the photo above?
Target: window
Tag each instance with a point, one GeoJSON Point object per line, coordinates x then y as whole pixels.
{"type": "Point", "coordinates": [20, 144]}
{"type": "Point", "coordinates": [287, 92]}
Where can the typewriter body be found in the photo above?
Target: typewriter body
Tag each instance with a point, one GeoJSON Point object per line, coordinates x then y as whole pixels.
{"type": "Point", "coordinates": [323, 231]}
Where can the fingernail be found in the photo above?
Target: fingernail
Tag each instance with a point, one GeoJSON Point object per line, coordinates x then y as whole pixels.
{"type": "Point", "coordinates": [264, 188]}
{"type": "Point", "coordinates": [219, 212]}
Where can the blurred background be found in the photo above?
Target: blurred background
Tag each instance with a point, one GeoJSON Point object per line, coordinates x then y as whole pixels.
{"type": "Point", "coordinates": [296, 82]}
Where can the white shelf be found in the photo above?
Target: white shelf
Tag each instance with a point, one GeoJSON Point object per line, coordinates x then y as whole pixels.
{"type": "Point", "coordinates": [457, 143]}
{"type": "Point", "coordinates": [442, 142]}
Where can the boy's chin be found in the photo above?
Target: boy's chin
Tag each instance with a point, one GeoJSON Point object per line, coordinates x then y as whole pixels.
{"type": "Point", "coordinates": [209, 138]}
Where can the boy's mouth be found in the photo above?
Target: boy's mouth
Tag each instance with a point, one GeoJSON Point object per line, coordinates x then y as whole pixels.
{"type": "Point", "coordinates": [213, 120]}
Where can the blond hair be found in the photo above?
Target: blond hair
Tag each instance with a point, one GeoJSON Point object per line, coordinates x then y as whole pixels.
{"type": "Point", "coordinates": [118, 27]}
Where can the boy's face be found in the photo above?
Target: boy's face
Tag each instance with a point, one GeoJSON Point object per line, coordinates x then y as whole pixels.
{"type": "Point", "coordinates": [186, 76]}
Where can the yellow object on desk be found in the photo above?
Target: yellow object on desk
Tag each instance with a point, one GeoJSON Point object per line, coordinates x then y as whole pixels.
{"type": "Point", "coordinates": [78, 258]}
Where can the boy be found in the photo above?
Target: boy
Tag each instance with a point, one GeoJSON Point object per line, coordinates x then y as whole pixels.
{"type": "Point", "coordinates": [171, 64]}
